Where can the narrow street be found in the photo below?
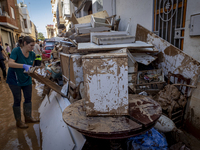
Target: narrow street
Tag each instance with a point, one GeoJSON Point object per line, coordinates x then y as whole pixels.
{"type": "Point", "coordinates": [11, 137]}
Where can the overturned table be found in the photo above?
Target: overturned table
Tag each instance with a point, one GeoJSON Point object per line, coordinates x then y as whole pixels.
{"type": "Point", "coordinates": [143, 114]}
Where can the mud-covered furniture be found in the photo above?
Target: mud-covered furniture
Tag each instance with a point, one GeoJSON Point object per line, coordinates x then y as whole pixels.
{"type": "Point", "coordinates": [143, 114]}
{"type": "Point", "coordinates": [182, 84]}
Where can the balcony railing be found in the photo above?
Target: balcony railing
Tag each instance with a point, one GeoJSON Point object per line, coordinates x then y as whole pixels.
{"type": "Point", "coordinates": [4, 13]}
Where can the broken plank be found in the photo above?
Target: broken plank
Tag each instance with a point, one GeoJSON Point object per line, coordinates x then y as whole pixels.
{"type": "Point", "coordinates": [87, 19]}
{"type": "Point", "coordinates": [82, 38]}
{"type": "Point", "coordinates": [47, 82]}
{"type": "Point", "coordinates": [143, 58]}
{"type": "Point", "coordinates": [144, 109]}
{"type": "Point", "coordinates": [98, 22]}
{"type": "Point", "coordinates": [74, 19]}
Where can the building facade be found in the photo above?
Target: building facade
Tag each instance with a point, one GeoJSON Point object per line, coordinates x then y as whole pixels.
{"type": "Point", "coordinates": [27, 24]}
{"type": "Point", "coordinates": [8, 22]}
{"type": "Point", "coordinates": [34, 33]}
{"type": "Point", "coordinates": [62, 11]}
{"type": "Point", "coordinates": [50, 31]}
{"type": "Point", "coordinates": [15, 22]}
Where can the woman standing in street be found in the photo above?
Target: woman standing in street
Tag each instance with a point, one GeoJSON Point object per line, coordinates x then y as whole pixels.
{"type": "Point", "coordinates": [21, 58]}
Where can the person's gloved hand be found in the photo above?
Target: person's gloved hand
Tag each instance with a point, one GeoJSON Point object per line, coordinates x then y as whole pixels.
{"type": "Point", "coordinates": [26, 67]}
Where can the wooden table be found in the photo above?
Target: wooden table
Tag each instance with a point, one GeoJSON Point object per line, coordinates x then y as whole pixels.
{"type": "Point", "coordinates": [143, 114]}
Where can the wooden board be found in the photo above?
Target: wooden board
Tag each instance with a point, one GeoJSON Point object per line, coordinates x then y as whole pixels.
{"type": "Point", "coordinates": [98, 22]}
{"type": "Point", "coordinates": [47, 82]}
{"type": "Point", "coordinates": [143, 58]}
{"type": "Point", "coordinates": [170, 58]}
{"type": "Point", "coordinates": [87, 19]}
{"type": "Point", "coordinates": [144, 109]}
{"type": "Point", "coordinates": [74, 19]}
{"type": "Point", "coordinates": [92, 46]}
{"type": "Point", "coordinates": [82, 38]}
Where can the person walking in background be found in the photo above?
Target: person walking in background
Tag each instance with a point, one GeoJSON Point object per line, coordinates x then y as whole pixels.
{"type": "Point", "coordinates": [2, 64]}
{"type": "Point", "coordinates": [41, 47]}
{"type": "Point", "coordinates": [21, 58]}
{"type": "Point", "coordinates": [38, 54]}
{"type": "Point", "coordinates": [8, 50]}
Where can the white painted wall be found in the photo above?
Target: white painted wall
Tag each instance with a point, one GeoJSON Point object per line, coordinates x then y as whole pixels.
{"type": "Point", "coordinates": [192, 48]}
{"type": "Point", "coordinates": [191, 44]}
{"type": "Point", "coordinates": [140, 12]}
{"type": "Point", "coordinates": [110, 7]}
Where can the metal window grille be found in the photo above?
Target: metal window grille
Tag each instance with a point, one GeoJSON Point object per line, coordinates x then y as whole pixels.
{"type": "Point", "coordinates": [169, 20]}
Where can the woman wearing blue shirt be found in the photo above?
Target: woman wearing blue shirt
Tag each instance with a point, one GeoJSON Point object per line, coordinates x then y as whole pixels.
{"type": "Point", "coordinates": [21, 58]}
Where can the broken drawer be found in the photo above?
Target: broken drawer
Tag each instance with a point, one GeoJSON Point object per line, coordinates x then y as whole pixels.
{"type": "Point", "coordinates": [106, 84]}
{"type": "Point", "coordinates": [113, 39]}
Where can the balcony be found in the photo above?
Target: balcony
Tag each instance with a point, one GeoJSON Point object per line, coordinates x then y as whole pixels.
{"type": "Point", "coordinates": [7, 21]}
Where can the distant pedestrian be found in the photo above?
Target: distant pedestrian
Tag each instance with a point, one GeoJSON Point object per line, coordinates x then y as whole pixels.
{"type": "Point", "coordinates": [2, 59]}
{"type": "Point", "coordinates": [38, 54]}
{"type": "Point", "coordinates": [41, 47]}
{"type": "Point", "coordinates": [21, 58]}
{"type": "Point", "coordinates": [8, 50]}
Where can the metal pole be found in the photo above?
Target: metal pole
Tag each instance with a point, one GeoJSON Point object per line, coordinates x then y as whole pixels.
{"type": "Point", "coordinates": [159, 20]}
{"type": "Point", "coordinates": [167, 22]}
{"type": "Point", "coordinates": [181, 23]}
{"type": "Point", "coordinates": [171, 21]}
{"type": "Point", "coordinates": [176, 18]}
{"type": "Point", "coordinates": [163, 21]}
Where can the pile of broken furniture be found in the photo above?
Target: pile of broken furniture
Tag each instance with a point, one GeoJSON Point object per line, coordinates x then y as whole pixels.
{"type": "Point", "coordinates": [94, 41]}
{"type": "Point", "coordinates": [102, 67]}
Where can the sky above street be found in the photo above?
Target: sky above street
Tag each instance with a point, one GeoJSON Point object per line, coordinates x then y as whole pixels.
{"type": "Point", "coordinates": [40, 13]}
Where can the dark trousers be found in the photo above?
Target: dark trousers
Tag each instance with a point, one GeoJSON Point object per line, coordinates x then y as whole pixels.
{"type": "Point", "coordinates": [3, 68]}
{"type": "Point", "coordinates": [16, 91]}
{"type": "Point", "coordinates": [37, 63]}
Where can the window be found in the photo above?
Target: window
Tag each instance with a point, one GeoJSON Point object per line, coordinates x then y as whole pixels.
{"type": "Point", "coordinates": [99, 5]}
{"type": "Point", "coordinates": [21, 21]}
{"type": "Point", "coordinates": [30, 23]}
{"type": "Point", "coordinates": [0, 9]}
{"type": "Point", "coordinates": [169, 20]}
{"type": "Point", "coordinates": [12, 13]}
{"type": "Point", "coordinates": [25, 23]}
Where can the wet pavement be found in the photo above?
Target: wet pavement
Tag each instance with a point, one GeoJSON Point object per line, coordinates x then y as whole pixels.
{"type": "Point", "coordinates": [11, 137]}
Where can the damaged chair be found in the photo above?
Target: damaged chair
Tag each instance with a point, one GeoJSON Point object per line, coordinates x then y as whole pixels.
{"type": "Point", "coordinates": [177, 115]}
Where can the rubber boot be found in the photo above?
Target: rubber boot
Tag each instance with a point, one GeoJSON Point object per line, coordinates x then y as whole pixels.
{"type": "Point", "coordinates": [27, 113]}
{"type": "Point", "coordinates": [17, 114]}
